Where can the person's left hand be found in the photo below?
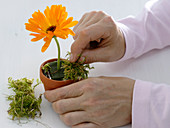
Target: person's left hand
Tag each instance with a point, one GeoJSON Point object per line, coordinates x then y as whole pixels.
{"type": "Point", "coordinates": [102, 102]}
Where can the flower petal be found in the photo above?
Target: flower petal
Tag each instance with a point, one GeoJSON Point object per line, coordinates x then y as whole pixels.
{"type": "Point", "coordinates": [60, 35]}
{"type": "Point", "coordinates": [63, 18]}
{"type": "Point", "coordinates": [62, 14]}
{"type": "Point", "coordinates": [37, 37]}
{"type": "Point", "coordinates": [46, 45]}
{"type": "Point", "coordinates": [32, 22]}
{"type": "Point", "coordinates": [68, 21]}
{"type": "Point", "coordinates": [47, 40]}
{"type": "Point", "coordinates": [33, 28]}
{"type": "Point", "coordinates": [47, 13]}
{"type": "Point", "coordinates": [41, 20]}
{"type": "Point", "coordinates": [71, 24]}
{"type": "Point", "coordinates": [58, 12]}
{"type": "Point", "coordinates": [70, 31]}
{"type": "Point", "coordinates": [52, 15]}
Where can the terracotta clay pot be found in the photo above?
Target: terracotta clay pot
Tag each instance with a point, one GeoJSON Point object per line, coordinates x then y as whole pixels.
{"type": "Point", "coordinates": [50, 84]}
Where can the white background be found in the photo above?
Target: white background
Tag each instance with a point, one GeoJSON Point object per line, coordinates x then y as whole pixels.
{"type": "Point", "coordinates": [21, 58]}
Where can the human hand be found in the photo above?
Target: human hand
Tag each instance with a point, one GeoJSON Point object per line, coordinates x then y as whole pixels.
{"type": "Point", "coordinates": [97, 26]}
{"type": "Point", "coordinates": [102, 102]}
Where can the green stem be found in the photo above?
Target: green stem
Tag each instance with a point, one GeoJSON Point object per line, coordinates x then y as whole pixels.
{"type": "Point", "coordinates": [58, 61]}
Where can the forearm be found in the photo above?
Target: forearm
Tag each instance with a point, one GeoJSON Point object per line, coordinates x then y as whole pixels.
{"type": "Point", "coordinates": [149, 30]}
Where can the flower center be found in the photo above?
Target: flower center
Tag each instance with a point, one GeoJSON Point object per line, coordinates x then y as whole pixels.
{"type": "Point", "coordinates": [51, 28]}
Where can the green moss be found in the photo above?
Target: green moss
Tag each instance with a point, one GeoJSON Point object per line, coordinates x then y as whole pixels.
{"type": "Point", "coordinates": [72, 71]}
{"type": "Point", "coordinates": [23, 101]}
{"type": "Point", "coordinates": [75, 71]}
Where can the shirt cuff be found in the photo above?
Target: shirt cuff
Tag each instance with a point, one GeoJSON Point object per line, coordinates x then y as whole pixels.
{"type": "Point", "coordinates": [129, 41]}
{"type": "Point", "coordinates": [141, 104]}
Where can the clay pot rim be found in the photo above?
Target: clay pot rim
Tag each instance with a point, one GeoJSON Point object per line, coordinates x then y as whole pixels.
{"type": "Point", "coordinates": [47, 61]}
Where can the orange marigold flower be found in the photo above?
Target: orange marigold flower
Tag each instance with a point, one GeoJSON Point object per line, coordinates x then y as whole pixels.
{"type": "Point", "coordinates": [52, 23]}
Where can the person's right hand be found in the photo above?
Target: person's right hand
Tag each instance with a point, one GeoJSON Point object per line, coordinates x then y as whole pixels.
{"type": "Point", "coordinates": [97, 26]}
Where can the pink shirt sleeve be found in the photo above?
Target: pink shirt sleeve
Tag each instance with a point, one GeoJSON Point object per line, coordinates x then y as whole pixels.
{"type": "Point", "coordinates": [151, 105]}
{"type": "Point", "coordinates": [149, 30]}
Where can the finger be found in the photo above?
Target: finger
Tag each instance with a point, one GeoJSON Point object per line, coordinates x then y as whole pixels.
{"type": "Point", "coordinates": [78, 46]}
{"type": "Point", "coordinates": [86, 125]}
{"type": "Point", "coordinates": [70, 91]}
{"type": "Point", "coordinates": [90, 19]}
{"type": "Point", "coordinates": [67, 105]}
{"type": "Point", "coordinates": [90, 33]}
{"type": "Point", "coordinates": [80, 23]}
{"type": "Point", "coordinates": [85, 18]}
{"type": "Point", "coordinates": [74, 118]}
{"type": "Point", "coordinates": [95, 55]}
{"type": "Point", "coordinates": [96, 16]}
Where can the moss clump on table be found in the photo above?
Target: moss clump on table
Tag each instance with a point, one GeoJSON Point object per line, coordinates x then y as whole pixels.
{"type": "Point", "coordinates": [23, 101]}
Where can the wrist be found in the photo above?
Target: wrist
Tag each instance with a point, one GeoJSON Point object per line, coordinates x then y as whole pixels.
{"type": "Point", "coordinates": [120, 47]}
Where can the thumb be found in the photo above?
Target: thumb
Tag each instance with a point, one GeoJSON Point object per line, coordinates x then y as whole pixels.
{"type": "Point", "coordinates": [71, 91]}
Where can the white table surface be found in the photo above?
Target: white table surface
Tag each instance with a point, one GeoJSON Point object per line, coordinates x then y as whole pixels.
{"type": "Point", "coordinates": [21, 58]}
